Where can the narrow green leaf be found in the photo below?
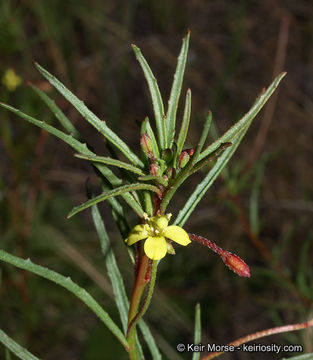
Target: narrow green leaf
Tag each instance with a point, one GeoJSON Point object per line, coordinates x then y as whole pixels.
{"type": "Point", "coordinates": [115, 276]}
{"type": "Point", "coordinates": [68, 284]}
{"type": "Point", "coordinates": [184, 126]}
{"type": "Point", "coordinates": [91, 117]}
{"type": "Point", "coordinates": [200, 164]}
{"type": "Point", "coordinates": [205, 184]}
{"type": "Point", "coordinates": [157, 101]}
{"type": "Point", "coordinates": [157, 179]}
{"type": "Point", "coordinates": [187, 170]}
{"type": "Point", "coordinates": [235, 135]}
{"type": "Point", "coordinates": [197, 333]}
{"type": "Point", "coordinates": [254, 199]}
{"type": "Point", "coordinates": [118, 284]}
{"type": "Point", "coordinates": [16, 349]}
{"type": "Point", "coordinates": [247, 119]}
{"type": "Point", "coordinates": [7, 354]}
{"type": "Point", "coordinates": [80, 147]}
{"type": "Point", "coordinates": [203, 137]}
{"type": "Point", "coordinates": [149, 339]}
{"type": "Point", "coordinates": [114, 192]}
{"type": "Point", "coordinates": [176, 90]}
{"type": "Point", "coordinates": [110, 161]}
{"type": "Point", "coordinates": [148, 177]}
{"type": "Point", "coordinates": [64, 121]}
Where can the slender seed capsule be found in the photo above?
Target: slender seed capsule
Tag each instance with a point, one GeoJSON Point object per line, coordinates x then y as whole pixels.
{"type": "Point", "coordinates": [235, 264]}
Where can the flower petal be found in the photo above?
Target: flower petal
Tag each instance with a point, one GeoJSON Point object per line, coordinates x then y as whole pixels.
{"type": "Point", "coordinates": [155, 247]}
{"type": "Point", "coordinates": [161, 221]}
{"type": "Point", "coordinates": [177, 234]}
{"type": "Point", "coordinates": [138, 233]}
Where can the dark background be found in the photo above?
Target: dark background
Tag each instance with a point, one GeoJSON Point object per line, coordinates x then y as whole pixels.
{"type": "Point", "coordinates": [261, 209]}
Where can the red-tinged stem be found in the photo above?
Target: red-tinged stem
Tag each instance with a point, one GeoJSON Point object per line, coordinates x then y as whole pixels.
{"type": "Point", "coordinates": [203, 241]}
{"type": "Point", "coordinates": [139, 287]}
{"type": "Point", "coordinates": [263, 333]}
{"type": "Point", "coordinates": [232, 261]}
{"type": "Point", "coordinates": [150, 277]}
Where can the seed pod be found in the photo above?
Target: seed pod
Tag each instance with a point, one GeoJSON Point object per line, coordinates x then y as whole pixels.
{"type": "Point", "coordinates": [235, 264]}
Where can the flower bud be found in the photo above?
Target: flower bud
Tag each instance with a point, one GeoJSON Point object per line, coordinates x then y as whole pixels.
{"type": "Point", "coordinates": [146, 145]}
{"type": "Point", "coordinates": [170, 249]}
{"type": "Point", "coordinates": [167, 155]}
{"type": "Point", "coordinates": [183, 159]}
{"type": "Point", "coordinates": [170, 172]}
{"type": "Point", "coordinates": [154, 170]}
{"type": "Point", "coordinates": [190, 151]}
{"type": "Point", "coordinates": [235, 264]}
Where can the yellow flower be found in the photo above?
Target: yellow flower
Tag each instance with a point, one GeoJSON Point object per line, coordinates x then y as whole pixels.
{"type": "Point", "coordinates": [11, 80]}
{"type": "Point", "coordinates": [157, 234]}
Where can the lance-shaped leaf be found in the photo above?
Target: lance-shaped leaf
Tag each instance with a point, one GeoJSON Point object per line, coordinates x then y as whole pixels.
{"type": "Point", "coordinates": [15, 348]}
{"type": "Point", "coordinates": [80, 147]}
{"type": "Point", "coordinates": [112, 193]}
{"type": "Point", "coordinates": [247, 119]}
{"type": "Point", "coordinates": [157, 101]}
{"type": "Point", "coordinates": [184, 126]}
{"type": "Point", "coordinates": [91, 117]}
{"type": "Point", "coordinates": [176, 90]}
{"type": "Point", "coordinates": [118, 284]}
{"type": "Point", "coordinates": [187, 170]}
{"type": "Point", "coordinates": [112, 268]}
{"type": "Point", "coordinates": [68, 284]}
{"type": "Point", "coordinates": [203, 137]}
{"type": "Point", "coordinates": [197, 331]}
{"type": "Point", "coordinates": [110, 161]}
{"type": "Point", "coordinates": [63, 119]}
{"type": "Point", "coordinates": [157, 179]}
{"type": "Point", "coordinates": [205, 161]}
{"type": "Point", "coordinates": [205, 184]}
{"type": "Point", "coordinates": [236, 133]}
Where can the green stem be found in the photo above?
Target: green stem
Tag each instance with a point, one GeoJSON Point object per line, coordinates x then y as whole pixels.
{"type": "Point", "coordinates": [139, 287]}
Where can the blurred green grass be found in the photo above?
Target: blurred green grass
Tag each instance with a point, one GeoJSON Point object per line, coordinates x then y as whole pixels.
{"type": "Point", "coordinates": [232, 56]}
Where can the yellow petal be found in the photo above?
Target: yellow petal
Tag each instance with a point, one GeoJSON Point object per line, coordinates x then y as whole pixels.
{"type": "Point", "coordinates": [161, 221]}
{"type": "Point", "coordinates": [155, 247]}
{"type": "Point", "coordinates": [177, 234]}
{"type": "Point", "coordinates": [138, 233]}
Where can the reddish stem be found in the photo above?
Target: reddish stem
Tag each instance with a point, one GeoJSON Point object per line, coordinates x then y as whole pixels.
{"type": "Point", "coordinates": [263, 333]}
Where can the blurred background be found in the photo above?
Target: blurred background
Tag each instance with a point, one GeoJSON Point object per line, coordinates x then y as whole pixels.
{"type": "Point", "coordinates": [260, 208]}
